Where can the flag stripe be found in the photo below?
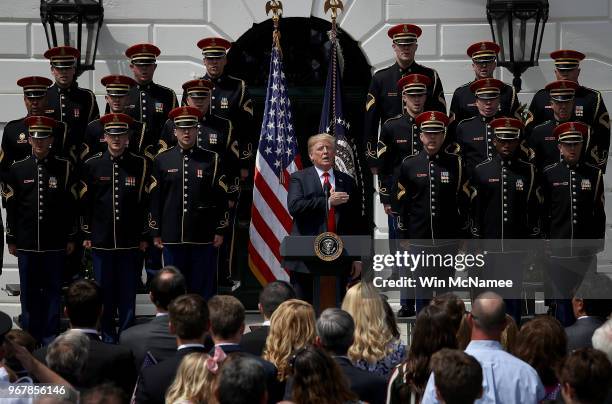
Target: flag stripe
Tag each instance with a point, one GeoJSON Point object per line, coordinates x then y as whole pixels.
{"type": "Point", "coordinates": [271, 199]}
{"type": "Point", "coordinates": [270, 218]}
{"type": "Point", "coordinates": [267, 234]}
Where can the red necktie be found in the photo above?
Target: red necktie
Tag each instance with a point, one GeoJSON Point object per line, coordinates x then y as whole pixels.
{"type": "Point", "coordinates": [331, 217]}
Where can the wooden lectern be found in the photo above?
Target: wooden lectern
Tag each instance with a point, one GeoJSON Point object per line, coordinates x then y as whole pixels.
{"type": "Point", "coordinates": [299, 255]}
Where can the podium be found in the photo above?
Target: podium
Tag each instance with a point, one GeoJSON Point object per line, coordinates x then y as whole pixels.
{"type": "Point", "coordinates": [298, 253]}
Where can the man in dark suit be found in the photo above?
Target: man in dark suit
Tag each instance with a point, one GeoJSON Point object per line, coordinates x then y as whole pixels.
{"type": "Point", "coordinates": [189, 322]}
{"type": "Point", "coordinates": [106, 362]}
{"type": "Point", "coordinates": [590, 307]}
{"type": "Point", "coordinates": [227, 326]}
{"type": "Point", "coordinates": [272, 295]}
{"type": "Point", "coordinates": [314, 213]}
{"type": "Point", "coordinates": [335, 333]}
{"type": "Point", "coordinates": [154, 336]}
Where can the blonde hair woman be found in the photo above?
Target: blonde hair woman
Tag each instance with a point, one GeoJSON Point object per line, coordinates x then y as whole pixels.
{"type": "Point", "coordinates": [195, 379]}
{"type": "Point", "coordinates": [292, 327]}
{"type": "Point", "coordinates": [375, 349]}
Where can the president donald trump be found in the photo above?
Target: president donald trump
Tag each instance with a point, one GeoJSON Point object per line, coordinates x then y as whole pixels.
{"type": "Point", "coordinates": [310, 190]}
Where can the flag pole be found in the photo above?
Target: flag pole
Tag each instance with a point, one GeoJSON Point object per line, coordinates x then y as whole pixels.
{"type": "Point", "coordinates": [277, 11]}
{"type": "Point", "coordinates": [334, 6]}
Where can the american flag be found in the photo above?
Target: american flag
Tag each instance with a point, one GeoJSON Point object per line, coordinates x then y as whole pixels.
{"type": "Point", "coordinates": [277, 157]}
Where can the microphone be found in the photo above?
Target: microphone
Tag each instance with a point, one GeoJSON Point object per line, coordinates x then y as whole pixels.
{"type": "Point", "coordinates": [327, 190]}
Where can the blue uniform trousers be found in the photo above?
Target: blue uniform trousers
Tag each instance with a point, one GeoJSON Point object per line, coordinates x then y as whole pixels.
{"type": "Point", "coordinates": [40, 277]}
{"type": "Point", "coordinates": [198, 263]}
{"type": "Point", "coordinates": [117, 273]}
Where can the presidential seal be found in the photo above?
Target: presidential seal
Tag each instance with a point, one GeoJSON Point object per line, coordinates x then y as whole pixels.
{"type": "Point", "coordinates": [328, 246]}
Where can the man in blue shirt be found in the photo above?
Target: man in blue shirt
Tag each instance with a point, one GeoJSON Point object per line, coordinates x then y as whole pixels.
{"type": "Point", "coordinates": [506, 379]}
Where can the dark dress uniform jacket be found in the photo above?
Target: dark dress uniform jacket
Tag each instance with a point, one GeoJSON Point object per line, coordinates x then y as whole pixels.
{"type": "Point", "coordinates": [431, 197]}
{"type": "Point", "coordinates": [114, 200]}
{"type": "Point", "coordinates": [384, 101]}
{"type": "Point", "coordinates": [545, 145]}
{"type": "Point", "coordinates": [463, 104]}
{"type": "Point", "coordinates": [76, 107]}
{"type": "Point", "coordinates": [399, 138]}
{"type": "Point", "coordinates": [475, 137]}
{"type": "Point", "coordinates": [151, 103]}
{"type": "Point", "coordinates": [40, 200]}
{"type": "Point", "coordinates": [189, 202]}
{"type": "Point", "coordinates": [589, 108]}
{"type": "Point", "coordinates": [306, 202]}
{"type": "Point", "coordinates": [215, 134]}
{"type": "Point", "coordinates": [504, 201]}
{"type": "Point", "coordinates": [573, 201]}
{"type": "Point", "coordinates": [141, 141]}
{"type": "Point", "coordinates": [15, 144]}
{"type": "Point", "coordinates": [230, 99]}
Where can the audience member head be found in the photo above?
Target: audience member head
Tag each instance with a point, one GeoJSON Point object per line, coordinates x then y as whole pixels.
{"type": "Point", "coordinates": [372, 334]}
{"type": "Point", "coordinates": [292, 326]}
{"type": "Point", "coordinates": [317, 378]}
{"type": "Point", "coordinates": [488, 317]}
{"type": "Point", "coordinates": [458, 376]}
{"type": "Point", "coordinates": [188, 315]}
{"type": "Point", "coordinates": [167, 285]}
{"type": "Point", "coordinates": [433, 331]}
{"type": "Point", "coordinates": [335, 331]}
{"type": "Point", "coordinates": [592, 296]}
{"type": "Point", "coordinates": [508, 335]}
{"type": "Point", "coordinates": [67, 354]}
{"type": "Point", "coordinates": [106, 393]}
{"type": "Point", "coordinates": [226, 319]}
{"type": "Point", "coordinates": [272, 295]}
{"type": "Point", "coordinates": [453, 306]}
{"type": "Point", "coordinates": [242, 380]}
{"type": "Point", "coordinates": [602, 339]}
{"type": "Point", "coordinates": [194, 379]}
{"type": "Point", "coordinates": [542, 343]}
{"type": "Point", "coordinates": [83, 304]}
{"type": "Point", "coordinates": [18, 337]}
{"type": "Point", "coordinates": [390, 318]}
{"type": "Point", "coordinates": [585, 377]}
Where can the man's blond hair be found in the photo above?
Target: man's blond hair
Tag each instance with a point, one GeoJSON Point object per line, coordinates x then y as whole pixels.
{"type": "Point", "coordinates": [321, 137]}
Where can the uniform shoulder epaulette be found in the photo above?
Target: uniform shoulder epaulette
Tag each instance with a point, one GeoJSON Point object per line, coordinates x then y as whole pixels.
{"type": "Point", "coordinates": [465, 85]}
{"type": "Point", "coordinates": [592, 166]}
{"type": "Point", "coordinates": [20, 161]}
{"type": "Point", "coordinates": [95, 156]}
{"type": "Point", "coordinates": [409, 157]}
{"type": "Point", "coordinates": [527, 163]}
{"type": "Point", "coordinates": [467, 119]}
{"type": "Point", "coordinates": [14, 122]}
{"type": "Point", "coordinates": [63, 160]}
{"type": "Point", "coordinates": [165, 88]}
{"type": "Point", "coordinates": [398, 116]}
{"type": "Point", "coordinates": [208, 151]}
{"type": "Point", "coordinates": [136, 155]}
{"type": "Point", "coordinates": [597, 92]}
{"type": "Point", "coordinates": [550, 166]}
{"type": "Point", "coordinates": [220, 118]}
{"type": "Point", "coordinates": [242, 82]}
{"type": "Point", "coordinates": [483, 162]}
{"type": "Point", "coordinates": [87, 90]}
{"type": "Point", "coordinates": [162, 152]}
{"type": "Point", "coordinates": [542, 124]}
{"type": "Point", "coordinates": [382, 70]}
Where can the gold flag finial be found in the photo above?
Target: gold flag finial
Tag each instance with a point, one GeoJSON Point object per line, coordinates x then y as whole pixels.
{"type": "Point", "coordinates": [276, 6]}
{"type": "Point", "coordinates": [334, 6]}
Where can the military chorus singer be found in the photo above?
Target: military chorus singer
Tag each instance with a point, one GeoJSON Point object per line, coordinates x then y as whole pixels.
{"type": "Point", "coordinates": [152, 181]}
